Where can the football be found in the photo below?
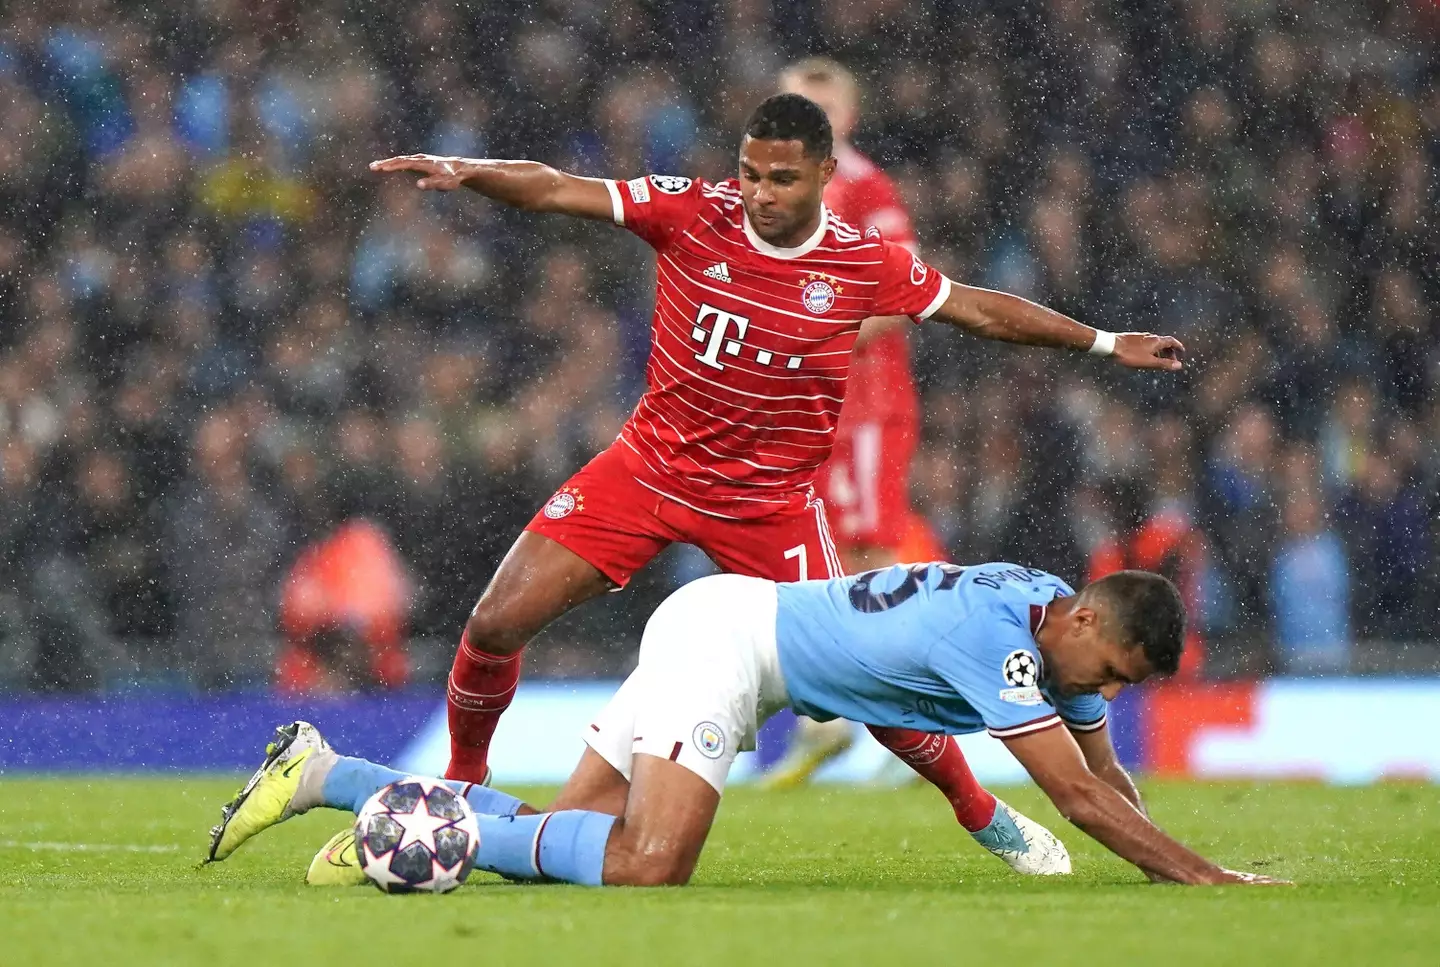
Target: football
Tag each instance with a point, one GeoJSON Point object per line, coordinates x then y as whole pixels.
{"type": "Point", "coordinates": [416, 835]}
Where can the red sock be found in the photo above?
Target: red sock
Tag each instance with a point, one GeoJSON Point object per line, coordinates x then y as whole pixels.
{"type": "Point", "coordinates": [480, 689]}
{"type": "Point", "coordinates": [938, 758]}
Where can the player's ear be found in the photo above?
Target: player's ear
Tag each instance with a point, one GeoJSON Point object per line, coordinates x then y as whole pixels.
{"type": "Point", "coordinates": [1086, 621]}
{"type": "Point", "coordinates": [827, 171]}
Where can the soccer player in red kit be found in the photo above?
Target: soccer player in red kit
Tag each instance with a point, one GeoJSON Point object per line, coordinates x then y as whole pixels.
{"type": "Point", "coordinates": [866, 482]}
{"type": "Point", "coordinates": [760, 294]}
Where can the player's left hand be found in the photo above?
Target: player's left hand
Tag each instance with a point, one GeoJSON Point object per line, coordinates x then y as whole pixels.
{"type": "Point", "coordinates": [440, 173]}
{"type": "Point", "coordinates": [1145, 350]}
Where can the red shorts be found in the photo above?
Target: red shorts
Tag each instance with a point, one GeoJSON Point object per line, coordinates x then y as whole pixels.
{"type": "Point", "coordinates": [866, 482]}
{"type": "Point", "coordinates": [618, 524]}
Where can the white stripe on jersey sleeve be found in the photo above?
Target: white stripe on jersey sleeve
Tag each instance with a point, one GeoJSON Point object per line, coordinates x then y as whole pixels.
{"type": "Point", "coordinates": [1086, 726]}
{"type": "Point", "coordinates": [1038, 725]}
{"type": "Point", "coordinates": [939, 300]}
{"type": "Point", "coordinates": [617, 207]}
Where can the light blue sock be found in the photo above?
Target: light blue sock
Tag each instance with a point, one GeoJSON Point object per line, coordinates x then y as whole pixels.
{"type": "Point", "coordinates": [352, 781]}
{"type": "Point", "coordinates": [1002, 833]}
{"type": "Point", "coordinates": [571, 846]}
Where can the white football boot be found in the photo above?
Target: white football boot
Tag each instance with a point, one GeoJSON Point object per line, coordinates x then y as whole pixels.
{"type": "Point", "coordinates": [1025, 845]}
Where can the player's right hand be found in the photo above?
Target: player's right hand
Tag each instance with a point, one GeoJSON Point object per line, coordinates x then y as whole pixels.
{"type": "Point", "coordinates": [440, 173]}
{"type": "Point", "coordinates": [1145, 350]}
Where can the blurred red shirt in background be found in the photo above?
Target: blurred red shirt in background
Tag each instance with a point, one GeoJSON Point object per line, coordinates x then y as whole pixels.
{"type": "Point", "coordinates": [343, 614]}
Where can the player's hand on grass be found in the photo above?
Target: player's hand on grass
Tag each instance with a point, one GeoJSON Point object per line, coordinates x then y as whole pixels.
{"type": "Point", "coordinates": [1145, 350]}
{"type": "Point", "coordinates": [1240, 877]}
{"type": "Point", "coordinates": [440, 173]}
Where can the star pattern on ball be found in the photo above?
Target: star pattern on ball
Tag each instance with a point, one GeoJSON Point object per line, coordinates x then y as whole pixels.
{"type": "Point", "coordinates": [420, 826]}
{"type": "Point", "coordinates": [384, 877]}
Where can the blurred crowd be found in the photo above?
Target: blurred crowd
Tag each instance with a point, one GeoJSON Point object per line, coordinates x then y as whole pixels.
{"type": "Point", "coordinates": [230, 356]}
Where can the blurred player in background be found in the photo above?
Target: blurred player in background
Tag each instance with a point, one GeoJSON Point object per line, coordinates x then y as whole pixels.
{"type": "Point", "coordinates": [866, 481]}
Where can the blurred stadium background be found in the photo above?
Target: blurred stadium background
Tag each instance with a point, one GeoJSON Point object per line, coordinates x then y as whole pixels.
{"type": "Point", "coordinates": [234, 365]}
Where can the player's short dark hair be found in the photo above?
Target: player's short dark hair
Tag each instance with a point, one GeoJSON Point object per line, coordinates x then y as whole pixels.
{"type": "Point", "coordinates": [1150, 615]}
{"type": "Point", "coordinates": [792, 117]}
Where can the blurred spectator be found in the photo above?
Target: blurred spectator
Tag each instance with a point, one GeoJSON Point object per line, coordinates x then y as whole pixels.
{"type": "Point", "coordinates": [1245, 514]}
{"type": "Point", "coordinates": [225, 544]}
{"type": "Point", "coordinates": [221, 337]}
{"type": "Point", "coordinates": [1310, 584]}
{"type": "Point", "coordinates": [342, 610]}
{"type": "Point", "coordinates": [1154, 536]}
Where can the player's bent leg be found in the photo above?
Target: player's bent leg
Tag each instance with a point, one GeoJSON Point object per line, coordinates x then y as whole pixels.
{"type": "Point", "coordinates": [595, 785]}
{"type": "Point", "coordinates": [938, 759]}
{"type": "Point", "coordinates": [667, 819]}
{"type": "Point", "coordinates": [539, 580]}
{"type": "Point", "coordinates": [673, 730]}
{"type": "Point", "coordinates": [655, 843]}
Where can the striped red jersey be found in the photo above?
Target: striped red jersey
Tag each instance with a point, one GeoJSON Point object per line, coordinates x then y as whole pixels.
{"type": "Point", "coordinates": [882, 384]}
{"type": "Point", "coordinates": [751, 343]}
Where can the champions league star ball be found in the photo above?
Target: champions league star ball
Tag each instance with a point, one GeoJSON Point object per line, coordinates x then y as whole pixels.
{"type": "Point", "coordinates": [416, 835]}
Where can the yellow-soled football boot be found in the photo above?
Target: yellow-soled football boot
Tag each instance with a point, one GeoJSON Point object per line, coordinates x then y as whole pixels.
{"type": "Point", "coordinates": [337, 863]}
{"type": "Point", "coordinates": [269, 797]}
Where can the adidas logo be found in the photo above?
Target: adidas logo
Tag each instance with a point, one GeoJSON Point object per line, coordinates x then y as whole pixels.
{"type": "Point", "coordinates": [719, 271]}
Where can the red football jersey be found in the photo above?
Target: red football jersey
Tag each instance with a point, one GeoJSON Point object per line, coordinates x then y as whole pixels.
{"type": "Point", "coordinates": [882, 386]}
{"type": "Point", "coordinates": [751, 343]}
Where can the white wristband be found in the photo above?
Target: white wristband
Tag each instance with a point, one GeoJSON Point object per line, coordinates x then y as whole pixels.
{"type": "Point", "coordinates": [1104, 343]}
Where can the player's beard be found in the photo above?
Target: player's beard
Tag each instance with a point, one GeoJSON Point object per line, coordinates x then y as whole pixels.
{"type": "Point", "coordinates": [772, 226]}
{"type": "Point", "coordinates": [783, 228]}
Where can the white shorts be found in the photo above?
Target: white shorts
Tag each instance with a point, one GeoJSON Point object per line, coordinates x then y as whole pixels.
{"type": "Point", "coordinates": [708, 678]}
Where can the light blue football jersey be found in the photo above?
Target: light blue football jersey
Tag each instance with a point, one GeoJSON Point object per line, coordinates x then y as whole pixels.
{"type": "Point", "coordinates": [934, 647]}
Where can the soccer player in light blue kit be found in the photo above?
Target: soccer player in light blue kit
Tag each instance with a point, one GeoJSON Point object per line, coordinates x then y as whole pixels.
{"type": "Point", "coordinates": [934, 647]}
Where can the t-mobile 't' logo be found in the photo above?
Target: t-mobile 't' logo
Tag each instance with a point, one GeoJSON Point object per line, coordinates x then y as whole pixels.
{"type": "Point", "coordinates": [718, 336]}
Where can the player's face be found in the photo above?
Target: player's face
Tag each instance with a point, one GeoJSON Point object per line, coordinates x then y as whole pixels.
{"type": "Point", "coordinates": [1090, 661]}
{"type": "Point", "coordinates": [781, 188]}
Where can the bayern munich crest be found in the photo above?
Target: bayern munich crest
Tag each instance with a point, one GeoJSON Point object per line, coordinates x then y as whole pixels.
{"type": "Point", "coordinates": [709, 740]}
{"type": "Point", "coordinates": [564, 503]}
{"type": "Point", "coordinates": [818, 296]}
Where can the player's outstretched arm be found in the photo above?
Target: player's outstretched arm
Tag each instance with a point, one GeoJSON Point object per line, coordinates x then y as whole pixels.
{"type": "Point", "coordinates": [1055, 762]}
{"type": "Point", "coordinates": [1099, 753]}
{"type": "Point", "coordinates": [527, 185]}
{"type": "Point", "coordinates": [1009, 318]}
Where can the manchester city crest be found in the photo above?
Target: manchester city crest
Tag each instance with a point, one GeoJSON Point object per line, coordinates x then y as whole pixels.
{"type": "Point", "coordinates": [709, 740]}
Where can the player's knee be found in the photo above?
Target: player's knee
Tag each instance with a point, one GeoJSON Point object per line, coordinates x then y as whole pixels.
{"type": "Point", "coordinates": [493, 630]}
{"type": "Point", "coordinates": [630, 861]}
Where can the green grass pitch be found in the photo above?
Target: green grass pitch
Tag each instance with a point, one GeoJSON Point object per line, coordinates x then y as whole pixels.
{"type": "Point", "coordinates": [104, 871]}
